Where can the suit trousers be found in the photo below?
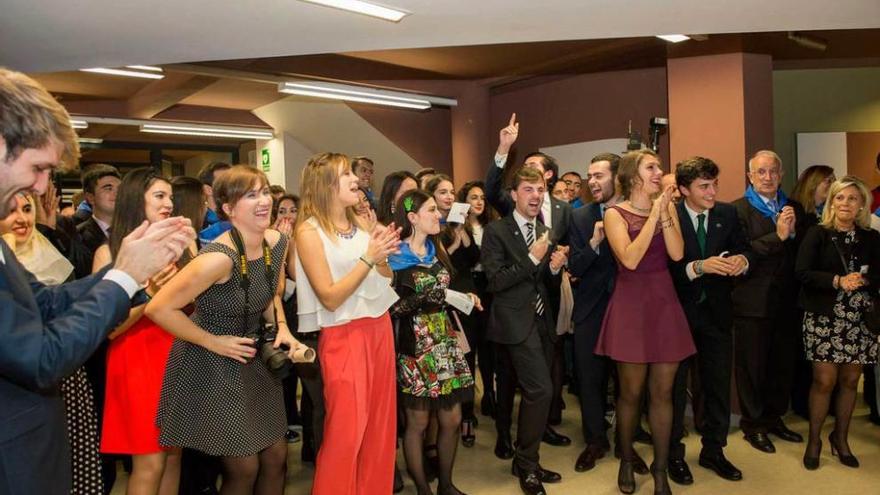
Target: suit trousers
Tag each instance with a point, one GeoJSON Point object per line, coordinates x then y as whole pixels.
{"type": "Point", "coordinates": [714, 366]}
{"type": "Point", "coordinates": [360, 393]}
{"type": "Point", "coordinates": [527, 364]}
{"type": "Point", "coordinates": [764, 357]}
{"type": "Point", "coordinates": [592, 375]}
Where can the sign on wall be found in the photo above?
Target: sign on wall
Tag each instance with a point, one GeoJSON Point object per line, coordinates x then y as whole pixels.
{"type": "Point", "coordinates": [265, 159]}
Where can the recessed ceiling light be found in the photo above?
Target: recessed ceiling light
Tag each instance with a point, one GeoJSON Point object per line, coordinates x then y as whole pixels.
{"type": "Point", "coordinates": [366, 8]}
{"type": "Point", "coordinates": [123, 72]}
{"type": "Point", "coordinates": [210, 131]}
{"type": "Point", "coordinates": [79, 124]}
{"type": "Point", "coordinates": [346, 92]}
{"type": "Point", "coordinates": [673, 38]}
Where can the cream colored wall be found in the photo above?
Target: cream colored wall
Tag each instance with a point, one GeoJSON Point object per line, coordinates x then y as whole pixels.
{"type": "Point", "coordinates": [826, 100]}
{"type": "Point", "coordinates": [192, 166]}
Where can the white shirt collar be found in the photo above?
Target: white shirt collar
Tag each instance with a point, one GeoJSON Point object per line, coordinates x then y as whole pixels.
{"type": "Point", "coordinates": [547, 210]}
{"type": "Point", "coordinates": [693, 214]}
{"type": "Point", "coordinates": [521, 221]}
{"type": "Point", "coordinates": [104, 226]}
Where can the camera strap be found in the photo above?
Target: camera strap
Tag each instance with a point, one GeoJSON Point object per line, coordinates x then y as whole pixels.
{"type": "Point", "coordinates": [245, 279]}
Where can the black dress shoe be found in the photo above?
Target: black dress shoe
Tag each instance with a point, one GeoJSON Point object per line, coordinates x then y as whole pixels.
{"type": "Point", "coordinates": [782, 431]}
{"type": "Point", "coordinates": [503, 447]}
{"type": "Point", "coordinates": [530, 484]}
{"type": "Point", "coordinates": [556, 439]}
{"type": "Point", "coordinates": [587, 459]}
{"type": "Point", "coordinates": [545, 475]}
{"type": "Point", "coordinates": [467, 433]}
{"type": "Point", "coordinates": [721, 466]}
{"type": "Point", "coordinates": [761, 442]}
{"type": "Point", "coordinates": [679, 472]}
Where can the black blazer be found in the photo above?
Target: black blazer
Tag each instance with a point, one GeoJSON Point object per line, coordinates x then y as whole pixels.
{"type": "Point", "coordinates": [723, 233]}
{"type": "Point", "coordinates": [514, 281]}
{"type": "Point", "coordinates": [770, 283]}
{"type": "Point", "coordinates": [499, 198]}
{"type": "Point", "coordinates": [818, 262]}
{"type": "Point", "coordinates": [47, 333]}
{"type": "Point", "coordinates": [91, 236]}
{"type": "Point", "coordinates": [595, 272]}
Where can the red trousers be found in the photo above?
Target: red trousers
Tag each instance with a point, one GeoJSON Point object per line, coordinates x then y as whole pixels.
{"type": "Point", "coordinates": [360, 395]}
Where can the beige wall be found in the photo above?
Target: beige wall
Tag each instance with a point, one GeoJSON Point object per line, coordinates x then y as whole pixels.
{"type": "Point", "coordinates": [826, 100]}
{"type": "Point", "coordinates": [192, 166]}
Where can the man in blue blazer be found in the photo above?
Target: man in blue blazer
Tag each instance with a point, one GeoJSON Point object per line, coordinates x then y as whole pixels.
{"type": "Point", "coordinates": [47, 333]}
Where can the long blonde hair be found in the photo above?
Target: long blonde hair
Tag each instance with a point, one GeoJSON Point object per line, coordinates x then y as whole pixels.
{"type": "Point", "coordinates": [863, 217]}
{"type": "Point", "coordinates": [318, 189]}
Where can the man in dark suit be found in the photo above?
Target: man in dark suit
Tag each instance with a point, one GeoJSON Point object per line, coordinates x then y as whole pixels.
{"type": "Point", "coordinates": [715, 250]}
{"type": "Point", "coordinates": [48, 333]}
{"type": "Point", "coordinates": [100, 183]}
{"type": "Point", "coordinates": [556, 215]}
{"type": "Point", "coordinates": [593, 268]}
{"type": "Point", "coordinates": [521, 264]}
{"type": "Point", "coordinates": [765, 304]}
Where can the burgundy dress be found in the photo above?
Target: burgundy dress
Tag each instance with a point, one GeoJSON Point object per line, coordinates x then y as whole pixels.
{"type": "Point", "coordinates": [644, 322]}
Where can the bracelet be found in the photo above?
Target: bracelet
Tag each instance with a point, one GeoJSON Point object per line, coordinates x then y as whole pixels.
{"type": "Point", "coordinates": [370, 265]}
{"type": "Point", "coordinates": [384, 262]}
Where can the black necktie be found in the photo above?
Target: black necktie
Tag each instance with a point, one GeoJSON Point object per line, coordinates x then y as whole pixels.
{"type": "Point", "coordinates": [530, 239]}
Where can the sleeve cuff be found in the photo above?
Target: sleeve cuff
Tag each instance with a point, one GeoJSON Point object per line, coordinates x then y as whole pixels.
{"type": "Point", "coordinates": [124, 280]}
{"type": "Point", "coordinates": [689, 270]}
{"type": "Point", "coordinates": [536, 261]}
{"type": "Point", "coordinates": [500, 160]}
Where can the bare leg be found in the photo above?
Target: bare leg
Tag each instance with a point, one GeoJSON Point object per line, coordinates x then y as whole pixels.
{"type": "Point", "coordinates": [146, 474]}
{"type": "Point", "coordinates": [170, 483]}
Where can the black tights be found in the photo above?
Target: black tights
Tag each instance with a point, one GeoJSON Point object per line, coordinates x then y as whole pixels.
{"type": "Point", "coordinates": [260, 474]}
{"type": "Point", "coordinates": [660, 378]}
{"type": "Point", "coordinates": [448, 421]}
{"type": "Point", "coordinates": [825, 377]}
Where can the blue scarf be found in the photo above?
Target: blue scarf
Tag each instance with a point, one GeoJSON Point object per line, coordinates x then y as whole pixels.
{"type": "Point", "coordinates": [758, 203]}
{"type": "Point", "coordinates": [877, 212]}
{"type": "Point", "coordinates": [406, 258]}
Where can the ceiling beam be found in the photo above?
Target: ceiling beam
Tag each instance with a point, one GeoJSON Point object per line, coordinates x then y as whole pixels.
{"type": "Point", "coordinates": [163, 94]}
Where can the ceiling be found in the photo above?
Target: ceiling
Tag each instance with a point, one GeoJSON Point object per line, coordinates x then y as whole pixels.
{"type": "Point", "coordinates": [60, 35]}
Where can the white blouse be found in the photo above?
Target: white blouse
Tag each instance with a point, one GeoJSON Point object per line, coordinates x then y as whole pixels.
{"type": "Point", "coordinates": [370, 300]}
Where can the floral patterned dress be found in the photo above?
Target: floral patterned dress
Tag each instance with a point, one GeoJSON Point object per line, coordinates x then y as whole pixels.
{"type": "Point", "coordinates": [842, 338]}
{"type": "Point", "coordinates": [431, 369]}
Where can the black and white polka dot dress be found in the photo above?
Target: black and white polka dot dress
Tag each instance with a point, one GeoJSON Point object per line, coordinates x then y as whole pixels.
{"type": "Point", "coordinates": [82, 433]}
{"type": "Point", "coordinates": [213, 403]}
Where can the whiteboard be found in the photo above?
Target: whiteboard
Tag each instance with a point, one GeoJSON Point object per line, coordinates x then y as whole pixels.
{"type": "Point", "coordinates": [576, 157]}
{"type": "Point", "coordinates": [822, 148]}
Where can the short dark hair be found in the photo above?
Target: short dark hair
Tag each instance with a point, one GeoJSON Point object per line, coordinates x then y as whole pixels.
{"type": "Point", "coordinates": [356, 162]}
{"type": "Point", "coordinates": [693, 168]}
{"type": "Point", "coordinates": [206, 174]}
{"type": "Point", "coordinates": [549, 163]}
{"type": "Point", "coordinates": [572, 173]}
{"type": "Point", "coordinates": [423, 172]}
{"type": "Point", "coordinates": [276, 189]}
{"type": "Point", "coordinates": [611, 158]}
{"type": "Point", "coordinates": [95, 172]}
{"type": "Point", "coordinates": [526, 174]}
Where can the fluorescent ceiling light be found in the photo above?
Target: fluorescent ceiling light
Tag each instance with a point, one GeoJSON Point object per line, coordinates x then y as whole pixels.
{"type": "Point", "coordinates": [359, 94]}
{"type": "Point", "coordinates": [366, 8]}
{"type": "Point", "coordinates": [123, 72]}
{"type": "Point", "coordinates": [90, 140]}
{"type": "Point", "coordinates": [208, 131]}
{"type": "Point", "coordinates": [79, 124]}
{"type": "Point", "coordinates": [145, 67]}
{"type": "Point", "coordinates": [673, 38]}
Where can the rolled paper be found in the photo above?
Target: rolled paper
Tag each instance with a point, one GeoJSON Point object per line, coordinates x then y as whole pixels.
{"type": "Point", "coordinates": [304, 354]}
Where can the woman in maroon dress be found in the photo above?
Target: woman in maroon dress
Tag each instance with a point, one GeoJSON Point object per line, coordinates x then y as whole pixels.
{"type": "Point", "coordinates": [645, 329]}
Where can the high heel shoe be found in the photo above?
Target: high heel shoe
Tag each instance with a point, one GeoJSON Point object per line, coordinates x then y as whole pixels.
{"type": "Point", "coordinates": [848, 460]}
{"type": "Point", "coordinates": [467, 433]}
{"type": "Point", "coordinates": [661, 486]}
{"type": "Point", "coordinates": [626, 482]}
{"type": "Point", "coordinates": [812, 462]}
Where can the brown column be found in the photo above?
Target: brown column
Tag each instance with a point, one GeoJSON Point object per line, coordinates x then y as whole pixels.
{"type": "Point", "coordinates": [470, 134]}
{"type": "Point", "coordinates": [721, 107]}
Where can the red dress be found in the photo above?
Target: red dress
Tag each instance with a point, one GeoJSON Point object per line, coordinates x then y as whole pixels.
{"type": "Point", "coordinates": [135, 367]}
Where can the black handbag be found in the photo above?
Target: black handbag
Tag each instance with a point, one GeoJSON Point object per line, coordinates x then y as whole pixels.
{"type": "Point", "coordinates": [871, 314]}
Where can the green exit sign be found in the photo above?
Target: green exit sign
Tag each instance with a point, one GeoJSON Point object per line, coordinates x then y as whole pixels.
{"type": "Point", "coordinates": [265, 159]}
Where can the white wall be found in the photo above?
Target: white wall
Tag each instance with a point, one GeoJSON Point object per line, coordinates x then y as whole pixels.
{"type": "Point", "coordinates": [576, 157]}
{"type": "Point", "coordinates": [822, 148]}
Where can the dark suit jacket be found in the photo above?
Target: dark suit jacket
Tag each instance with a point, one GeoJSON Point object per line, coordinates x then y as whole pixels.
{"type": "Point", "coordinates": [770, 285]}
{"type": "Point", "coordinates": [92, 237]}
{"type": "Point", "coordinates": [723, 233]}
{"type": "Point", "coordinates": [818, 262]}
{"type": "Point", "coordinates": [498, 197]}
{"type": "Point", "coordinates": [46, 334]}
{"type": "Point", "coordinates": [514, 281]}
{"type": "Point", "coordinates": [595, 271]}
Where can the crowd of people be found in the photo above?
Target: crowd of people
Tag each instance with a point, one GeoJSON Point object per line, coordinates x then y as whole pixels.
{"type": "Point", "coordinates": [168, 322]}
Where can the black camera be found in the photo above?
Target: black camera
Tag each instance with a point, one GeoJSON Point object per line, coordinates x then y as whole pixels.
{"type": "Point", "coordinates": [276, 360]}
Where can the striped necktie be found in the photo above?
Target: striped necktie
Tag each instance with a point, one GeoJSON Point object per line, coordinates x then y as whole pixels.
{"type": "Point", "coordinates": [530, 239]}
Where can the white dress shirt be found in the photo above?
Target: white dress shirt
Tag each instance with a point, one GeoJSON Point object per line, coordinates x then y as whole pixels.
{"type": "Point", "coordinates": [689, 268]}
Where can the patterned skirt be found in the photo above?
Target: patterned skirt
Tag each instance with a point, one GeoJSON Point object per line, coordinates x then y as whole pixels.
{"type": "Point", "coordinates": [842, 337]}
{"type": "Point", "coordinates": [437, 377]}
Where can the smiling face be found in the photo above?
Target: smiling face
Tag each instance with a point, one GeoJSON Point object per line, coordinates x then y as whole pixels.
{"type": "Point", "coordinates": [365, 174]}
{"type": "Point", "coordinates": [572, 185]}
{"type": "Point", "coordinates": [444, 195]}
{"type": "Point", "coordinates": [157, 201]}
{"type": "Point", "coordinates": [287, 209]}
{"type": "Point", "coordinates": [650, 175]}
{"type": "Point", "coordinates": [600, 181]}
{"type": "Point", "coordinates": [254, 209]}
{"type": "Point", "coordinates": [847, 204]}
{"type": "Point", "coordinates": [528, 197]}
{"type": "Point", "coordinates": [427, 219]}
{"type": "Point", "coordinates": [347, 187]}
{"type": "Point", "coordinates": [765, 174]}
{"type": "Point", "coordinates": [29, 172]}
{"type": "Point", "coordinates": [700, 195]}
{"type": "Point", "coordinates": [560, 192]}
{"type": "Point", "coordinates": [20, 222]}
{"type": "Point", "coordinates": [477, 199]}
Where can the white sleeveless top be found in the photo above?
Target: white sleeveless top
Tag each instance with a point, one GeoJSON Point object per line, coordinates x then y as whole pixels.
{"type": "Point", "coordinates": [371, 299]}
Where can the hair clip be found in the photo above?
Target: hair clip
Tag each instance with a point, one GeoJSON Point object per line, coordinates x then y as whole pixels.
{"type": "Point", "coordinates": [408, 204]}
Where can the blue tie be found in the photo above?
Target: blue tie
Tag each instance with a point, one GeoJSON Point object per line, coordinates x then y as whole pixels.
{"type": "Point", "coordinates": [773, 205]}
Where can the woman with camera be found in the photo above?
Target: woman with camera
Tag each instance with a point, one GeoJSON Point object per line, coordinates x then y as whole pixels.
{"type": "Point", "coordinates": [838, 265]}
{"type": "Point", "coordinates": [344, 290]}
{"type": "Point", "coordinates": [220, 395]}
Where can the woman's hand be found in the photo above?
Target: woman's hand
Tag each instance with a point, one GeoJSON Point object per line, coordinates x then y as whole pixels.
{"type": "Point", "coordinates": [851, 282]}
{"type": "Point", "coordinates": [240, 349]}
{"type": "Point", "coordinates": [284, 225]}
{"type": "Point", "coordinates": [661, 202]}
{"type": "Point", "coordinates": [47, 207]}
{"type": "Point", "coordinates": [383, 242]}
{"type": "Point", "coordinates": [284, 337]}
{"type": "Point", "coordinates": [456, 239]}
{"type": "Point", "coordinates": [158, 280]}
{"type": "Point", "coordinates": [476, 300]}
